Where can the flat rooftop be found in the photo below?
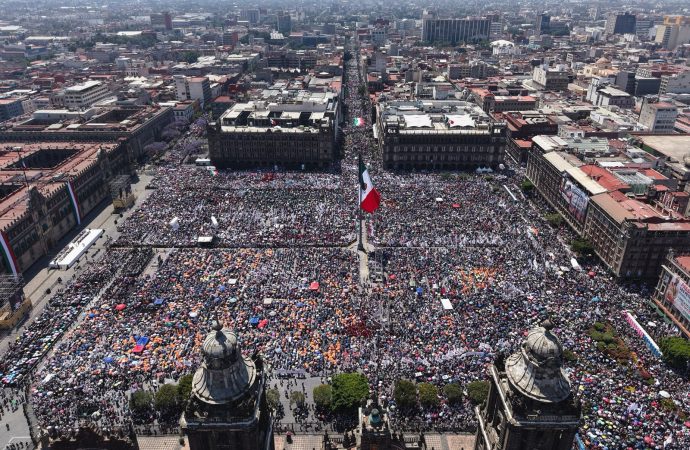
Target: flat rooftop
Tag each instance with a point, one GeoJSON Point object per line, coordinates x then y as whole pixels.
{"type": "Point", "coordinates": [674, 146]}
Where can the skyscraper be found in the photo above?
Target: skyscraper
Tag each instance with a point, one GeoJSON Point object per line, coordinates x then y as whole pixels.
{"type": "Point", "coordinates": [621, 23]}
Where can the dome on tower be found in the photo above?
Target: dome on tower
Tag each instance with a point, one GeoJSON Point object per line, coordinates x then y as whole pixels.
{"type": "Point", "coordinates": [536, 370]}
{"type": "Point", "coordinates": [225, 375]}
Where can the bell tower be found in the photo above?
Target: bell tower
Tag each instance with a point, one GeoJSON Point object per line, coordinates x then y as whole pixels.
{"type": "Point", "coordinates": [530, 405]}
{"type": "Point", "coordinates": [228, 409]}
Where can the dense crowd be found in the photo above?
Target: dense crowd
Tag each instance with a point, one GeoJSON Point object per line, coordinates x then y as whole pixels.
{"type": "Point", "coordinates": [291, 289]}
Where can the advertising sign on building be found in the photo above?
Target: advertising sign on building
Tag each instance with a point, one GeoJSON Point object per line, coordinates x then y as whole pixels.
{"type": "Point", "coordinates": [678, 294]}
{"type": "Point", "coordinates": [576, 199]}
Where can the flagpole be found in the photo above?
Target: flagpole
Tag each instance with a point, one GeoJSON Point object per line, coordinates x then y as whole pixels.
{"type": "Point", "coordinates": [360, 245]}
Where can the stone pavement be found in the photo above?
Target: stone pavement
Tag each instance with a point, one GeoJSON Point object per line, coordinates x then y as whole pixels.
{"type": "Point", "coordinates": [19, 428]}
{"type": "Point", "coordinates": [299, 442]}
{"type": "Point", "coordinates": [160, 443]}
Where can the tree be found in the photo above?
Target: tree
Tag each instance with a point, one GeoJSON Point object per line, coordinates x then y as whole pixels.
{"type": "Point", "coordinates": [155, 148]}
{"type": "Point", "coordinates": [453, 392]}
{"type": "Point", "coordinates": [676, 351]}
{"type": "Point", "coordinates": [555, 219]}
{"type": "Point", "coordinates": [184, 389]}
{"type": "Point", "coordinates": [581, 246]}
{"type": "Point", "coordinates": [428, 395]}
{"type": "Point", "coordinates": [349, 389]}
{"type": "Point", "coordinates": [165, 400]}
{"type": "Point", "coordinates": [169, 134]}
{"type": "Point", "coordinates": [405, 394]}
{"type": "Point", "coordinates": [527, 186]}
{"type": "Point", "coordinates": [273, 398]}
{"type": "Point", "coordinates": [297, 398]}
{"type": "Point", "coordinates": [323, 396]}
{"type": "Point", "coordinates": [140, 401]}
{"type": "Point", "coordinates": [477, 391]}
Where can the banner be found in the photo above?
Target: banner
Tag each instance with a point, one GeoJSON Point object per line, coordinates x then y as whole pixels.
{"type": "Point", "coordinates": [576, 199]}
{"type": "Point", "coordinates": [678, 294]}
{"type": "Point", "coordinates": [8, 255]}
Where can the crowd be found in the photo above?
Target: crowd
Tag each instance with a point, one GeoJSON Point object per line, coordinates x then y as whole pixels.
{"type": "Point", "coordinates": [290, 287]}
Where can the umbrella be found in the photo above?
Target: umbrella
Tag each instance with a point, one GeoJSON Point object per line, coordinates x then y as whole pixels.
{"type": "Point", "coordinates": [233, 300]}
{"type": "Point", "coordinates": [314, 286]}
{"type": "Point", "coordinates": [120, 307]}
{"type": "Point", "coordinates": [221, 288]}
{"type": "Point", "coordinates": [419, 291]}
{"type": "Point", "coordinates": [254, 320]}
{"type": "Point", "coordinates": [456, 205]}
{"type": "Point", "coordinates": [158, 301]}
{"type": "Point", "coordinates": [262, 323]}
{"type": "Point", "coordinates": [591, 273]}
{"type": "Point", "coordinates": [299, 304]}
{"type": "Point", "coordinates": [108, 359]}
{"type": "Point", "coordinates": [193, 314]}
{"type": "Point", "coordinates": [664, 394]}
{"type": "Point", "coordinates": [439, 199]}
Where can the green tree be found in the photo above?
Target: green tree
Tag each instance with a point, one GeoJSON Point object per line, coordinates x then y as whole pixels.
{"type": "Point", "coordinates": [297, 398]}
{"type": "Point", "coordinates": [349, 389]}
{"type": "Point", "coordinates": [477, 391]}
{"type": "Point", "coordinates": [581, 246]}
{"type": "Point", "coordinates": [555, 219]}
{"type": "Point", "coordinates": [428, 394]}
{"type": "Point", "coordinates": [273, 398]}
{"type": "Point", "coordinates": [527, 185]}
{"type": "Point", "coordinates": [165, 399]}
{"type": "Point", "coordinates": [184, 389]}
{"type": "Point", "coordinates": [405, 393]}
{"type": "Point", "coordinates": [453, 392]}
{"type": "Point", "coordinates": [676, 351]}
{"type": "Point", "coordinates": [140, 401]}
{"type": "Point", "coordinates": [323, 396]}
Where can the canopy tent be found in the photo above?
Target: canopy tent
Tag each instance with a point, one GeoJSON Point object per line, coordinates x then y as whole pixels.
{"type": "Point", "coordinates": [141, 344]}
{"type": "Point", "coordinates": [446, 303]}
{"type": "Point", "coordinates": [120, 307]}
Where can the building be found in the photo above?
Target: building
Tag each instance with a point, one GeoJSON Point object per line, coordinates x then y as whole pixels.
{"type": "Point", "coordinates": [294, 129]}
{"type": "Point", "coordinates": [84, 95]}
{"type": "Point", "coordinates": [489, 102]}
{"type": "Point", "coordinates": [10, 107]}
{"type": "Point", "coordinates": [36, 206]}
{"type": "Point", "coordinates": [631, 216]}
{"type": "Point", "coordinates": [551, 78]}
{"type": "Point", "coordinates": [284, 24]}
{"type": "Point", "coordinates": [677, 83]}
{"type": "Point", "coordinates": [675, 31]}
{"type": "Point", "coordinates": [672, 294]}
{"type": "Point", "coordinates": [455, 31]}
{"type": "Point", "coordinates": [135, 126]}
{"type": "Point", "coordinates": [193, 88]}
{"type": "Point", "coordinates": [606, 95]}
{"type": "Point", "coordinates": [658, 117]}
{"type": "Point", "coordinates": [228, 409]}
{"type": "Point", "coordinates": [621, 23]}
{"type": "Point", "coordinates": [521, 128]}
{"type": "Point", "coordinates": [542, 25]}
{"type": "Point", "coordinates": [161, 21]}
{"type": "Point", "coordinates": [531, 404]}
{"type": "Point", "coordinates": [438, 135]}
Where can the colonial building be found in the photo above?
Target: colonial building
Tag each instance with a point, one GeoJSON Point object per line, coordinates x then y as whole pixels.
{"type": "Point", "coordinates": [438, 135]}
{"type": "Point", "coordinates": [531, 405]}
{"type": "Point", "coordinates": [299, 129]}
{"type": "Point", "coordinates": [37, 208]}
{"type": "Point", "coordinates": [228, 409]}
{"type": "Point", "coordinates": [672, 294]}
{"type": "Point", "coordinates": [135, 126]}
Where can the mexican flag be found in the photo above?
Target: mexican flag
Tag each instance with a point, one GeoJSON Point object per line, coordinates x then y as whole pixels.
{"type": "Point", "coordinates": [74, 201]}
{"type": "Point", "coordinates": [369, 198]}
{"type": "Point", "coordinates": [358, 122]}
{"type": "Point", "coordinates": [8, 254]}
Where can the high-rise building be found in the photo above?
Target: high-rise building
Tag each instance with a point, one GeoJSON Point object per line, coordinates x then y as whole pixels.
{"type": "Point", "coordinates": [284, 23]}
{"type": "Point", "coordinates": [531, 404]}
{"type": "Point", "coordinates": [658, 117]}
{"type": "Point", "coordinates": [161, 21]}
{"type": "Point", "coordinates": [228, 409]}
{"type": "Point", "coordinates": [542, 25]}
{"type": "Point", "coordinates": [193, 88]}
{"type": "Point", "coordinates": [85, 95]}
{"type": "Point", "coordinates": [621, 23]}
{"type": "Point", "coordinates": [453, 31]}
{"type": "Point", "coordinates": [673, 32]}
